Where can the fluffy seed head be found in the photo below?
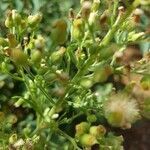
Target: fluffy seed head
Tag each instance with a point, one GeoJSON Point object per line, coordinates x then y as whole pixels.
{"type": "Point", "coordinates": [121, 111]}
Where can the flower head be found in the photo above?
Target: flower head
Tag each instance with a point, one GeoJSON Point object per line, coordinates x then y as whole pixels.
{"type": "Point", "coordinates": [120, 111]}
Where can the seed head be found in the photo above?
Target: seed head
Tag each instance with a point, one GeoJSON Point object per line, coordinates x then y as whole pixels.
{"type": "Point", "coordinates": [121, 111]}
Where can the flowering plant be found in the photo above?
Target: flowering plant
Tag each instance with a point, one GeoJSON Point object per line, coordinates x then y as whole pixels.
{"type": "Point", "coordinates": [76, 83]}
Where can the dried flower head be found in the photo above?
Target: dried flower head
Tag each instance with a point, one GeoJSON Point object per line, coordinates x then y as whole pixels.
{"type": "Point", "coordinates": [121, 111]}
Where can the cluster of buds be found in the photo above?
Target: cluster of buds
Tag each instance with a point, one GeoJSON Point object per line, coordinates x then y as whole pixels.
{"type": "Point", "coordinates": [37, 51]}
{"type": "Point", "coordinates": [88, 135]}
{"type": "Point", "coordinates": [18, 143]}
{"type": "Point", "coordinates": [120, 111]}
{"type": "Point", "coordinates": [13, 19]}
{"type": "Point", "coordinates": [88, 15]}
{"type": "Point", "coordinates": [12, 46]}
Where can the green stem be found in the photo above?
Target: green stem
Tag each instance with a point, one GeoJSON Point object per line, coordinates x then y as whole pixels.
{"type": "Point", "coordinates": [40, 87]}
{"type": "Point", "coordinates": [116, 2]}
{"type": "Point", "coordinates": [33, 103]}
{"type": "Point", "coordinates": [69, 138]}
{"type": "Point", "coordinates": [14, 77]}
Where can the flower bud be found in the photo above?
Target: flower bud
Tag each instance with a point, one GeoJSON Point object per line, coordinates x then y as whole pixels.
{"type": "Point", "coordinates": [39, 43]}
{"type": "Point", "coordinates": [57, 55]}
{"type": "Point", "coordinates": [71, 14]}
{"type": "Point", "coordinates": [12, 119]}
{"type": "Point", "coordinates": [102, 73]}
{"type": "Point", "coordinates": [78, 29]}
{"type": "Point", "coordinates": [16, 17]}
{"type": "Point", "coordinates": [86, 9]}
{"type": "Point", "coordinates": [62, 76]}
{"type": "Point", "coordinates": [13, 139]}
{"type": "Point", "coordinates": [19, 57]}
{"type": "Point", "coordinates": [87, 83]}
{"type": "Point", "coordinates": [97, 131]}
{"type": "Point", "coordinates": [34, 20]}
{"type": "Point", "coordinates": [121, 10]}
{"type": "Point", "coordinates": [93, 19]}
{"type": "Point", "coordinates": [19, 143]}
{"type": "Point", "coordinates": [23, 24]}
{"type": "Point", "coordinates": [95, 5]}
{"type": "Point", "coordinates": [59, 32]}
{"type": "Point", "coordinates": [36, 56]}
{"type": "Point", "coordinates": [91, 118]}
{"type": "Point", "coordinates": [137, 15]}
{"type": "Point", "coordinates": [59, 91]}
{"type": "Point", "coordinates": [12, 40]}
{"type": "Point", "coordinates": [82, 128]}
{"type": "Point", "coordinates": [9, 21]}
{"type": "Point", "coordinates": [104, 18]}
{"type": "Point", "coordinates": [87, 140]}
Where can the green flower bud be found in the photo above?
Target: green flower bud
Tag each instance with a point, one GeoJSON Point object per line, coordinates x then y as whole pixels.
{"type": "Point", "coordinates": [34, 20]}
{"type": "Point", "coordinates": [19, 57]}
{"type": "Point", "coordinates": [23, 24]}
{"type": "Point", "coordinates": [59, 32]}
{"type": "Point", "coordinates": [39, 43]}
{"type": "Point", "coordinates": [9, 21]}
{"type": "Point", "coordinates": [12, 119]}
{"type": "Point", "coordinates": [12, 40]}
{"type": "Point", "coordinates": [50, 77]}
{"type": "Point", "coordinates": [102, 73]}
{"type": "Point", "coordinates": [97, 131]}
{"type": "Point", "coordinates": [36, 56]}
{"type": "Point", "coordinates": [56, 56]}
{"type": "Point", "coordinates": [95, 5]}
{"type": "Point", "coordinates": [82, 128]}
{"type": "Point", "coordinates": [16, 17]}
{"type": "Point", "coordinates": [87, 140]}
{"type": "Point", "coordinates": [13, 139]}
{"type": "Point", "coordinates": [91, 118]}
{"type": "Point", "coordinates": [78, 29]}
{"type": "Point", "coordinates": [87, 83]}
